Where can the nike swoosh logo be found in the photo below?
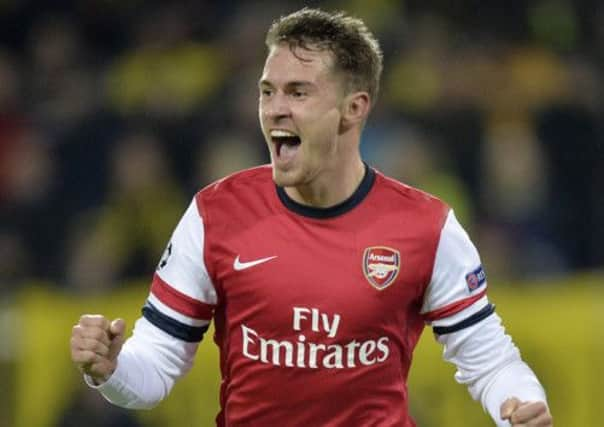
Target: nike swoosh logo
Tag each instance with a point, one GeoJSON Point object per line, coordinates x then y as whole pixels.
{"type": "Point", "coordinates": [238, 265]}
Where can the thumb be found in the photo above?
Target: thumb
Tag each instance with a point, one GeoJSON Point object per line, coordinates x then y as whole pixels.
{"type": "Point", "coordinates": [117, 332]}
{"type": "Point", "coordinates": [508, 407]}
{"type": "Point", "coordinates": [117, 327]}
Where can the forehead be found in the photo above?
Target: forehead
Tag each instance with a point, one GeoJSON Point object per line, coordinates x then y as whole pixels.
{"type": "Point", "coordinates": [284, 64]}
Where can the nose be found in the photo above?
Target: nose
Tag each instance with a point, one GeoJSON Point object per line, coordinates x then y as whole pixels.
{"type": "Point", "coordinates": [276, 107]}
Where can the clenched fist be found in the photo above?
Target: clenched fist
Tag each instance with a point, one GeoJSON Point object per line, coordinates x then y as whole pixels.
{"type": "Point", "coordinates": [526, 414]}
{"type": "Point", "coordinates": [95, 344]}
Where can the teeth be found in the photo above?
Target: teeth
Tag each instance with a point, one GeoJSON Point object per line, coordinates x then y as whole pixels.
{"type": "Point", "coordinates": [278, 133]}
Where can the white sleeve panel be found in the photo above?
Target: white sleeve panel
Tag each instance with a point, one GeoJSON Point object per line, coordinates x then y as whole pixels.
{"type": "Point", "coordinates": [489, 363]}
{"type": "Point", "coordinates": [183, 266]}
{"type": "Point", "coordinates": [457, 278]}
{"type": "Point", "coordinates": [148, 366]}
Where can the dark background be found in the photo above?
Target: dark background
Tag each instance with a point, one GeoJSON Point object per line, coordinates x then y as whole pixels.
{"type": "Point", "coordinates": [114, 113]}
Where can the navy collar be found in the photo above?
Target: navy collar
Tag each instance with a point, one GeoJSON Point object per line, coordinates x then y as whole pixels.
{"type": "Point", "coordinates": [341, 208]}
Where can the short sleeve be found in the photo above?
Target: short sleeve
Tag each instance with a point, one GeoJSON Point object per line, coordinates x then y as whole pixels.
{"type": "Point", "coordinates": [182, 297]}
{"type": "Point", "coordinates": [458, 279]}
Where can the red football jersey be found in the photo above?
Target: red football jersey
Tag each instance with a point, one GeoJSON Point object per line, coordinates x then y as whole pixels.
{"type": "Point", "coordinates": [316, 311]}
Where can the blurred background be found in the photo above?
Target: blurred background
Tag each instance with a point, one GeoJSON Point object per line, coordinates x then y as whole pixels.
{"type": "Point", "coordinates": [113, 114]}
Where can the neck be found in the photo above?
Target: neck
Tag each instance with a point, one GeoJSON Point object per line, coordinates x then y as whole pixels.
{"type": "Point", "coordinates": [332, 186]}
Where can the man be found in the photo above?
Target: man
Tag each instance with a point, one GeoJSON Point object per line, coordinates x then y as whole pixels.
{"type": "Point", "coordinates": [319, 280]}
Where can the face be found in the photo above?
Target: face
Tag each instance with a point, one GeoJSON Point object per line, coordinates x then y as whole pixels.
{"type": "Point", "coordinates": [299, 109]}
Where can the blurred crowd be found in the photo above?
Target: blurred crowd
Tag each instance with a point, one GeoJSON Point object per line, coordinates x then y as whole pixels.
{"type": "Point", "coordinates": [113, 114]}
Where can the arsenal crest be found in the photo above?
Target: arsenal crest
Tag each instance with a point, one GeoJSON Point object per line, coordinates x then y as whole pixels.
{"type": "Point", "coordinates": [381, 266]}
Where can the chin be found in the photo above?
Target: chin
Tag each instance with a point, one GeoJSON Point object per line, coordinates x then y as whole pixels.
{"type": "Point", "coordinates": [285, 178]}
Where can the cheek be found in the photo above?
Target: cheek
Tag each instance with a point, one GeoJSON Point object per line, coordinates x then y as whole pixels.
{"type": "Point", "coordinates": [323, 137]}
{"type": "Point", "coordinates": [321, 117]}
{"type": "Point", "coordinates": [326, 124]}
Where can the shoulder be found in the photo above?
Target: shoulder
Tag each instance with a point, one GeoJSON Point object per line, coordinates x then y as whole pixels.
{"type": "Point", "coordinates": [237, 193]}
{"type": "Point", "coordinates": [247, 177]}
{"type": "Point", "coordinates": [242, 180]}
{"type": "Point", "coordinates": [410, 200]}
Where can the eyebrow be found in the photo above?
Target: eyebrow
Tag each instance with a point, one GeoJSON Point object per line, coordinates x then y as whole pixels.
{"type": "Point", "coordinates": [295, 83]}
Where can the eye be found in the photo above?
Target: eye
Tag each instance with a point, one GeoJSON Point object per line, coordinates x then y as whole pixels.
{"type": "Point", "coordinates": [266, 92]}
{"type": "Point", "coordinates": [298, 94]}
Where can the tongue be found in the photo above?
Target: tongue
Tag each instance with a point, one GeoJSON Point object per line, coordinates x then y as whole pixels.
{"type": "Point", "coordinates": [288, 151]}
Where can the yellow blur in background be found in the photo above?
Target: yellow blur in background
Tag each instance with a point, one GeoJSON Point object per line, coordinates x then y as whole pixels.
{"type": "Point", "coordinates": [558, 331]}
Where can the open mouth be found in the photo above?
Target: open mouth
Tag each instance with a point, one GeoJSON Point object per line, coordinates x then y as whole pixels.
{"type": "Point", "coordinates": [286, 143]}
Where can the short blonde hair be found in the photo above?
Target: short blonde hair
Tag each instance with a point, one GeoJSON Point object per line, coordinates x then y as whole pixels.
{"type": "Point", "coordinates": [355, 49]}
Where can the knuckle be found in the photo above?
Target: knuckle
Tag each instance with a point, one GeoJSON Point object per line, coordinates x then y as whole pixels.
{"type": "Point", "coordinates": [85, 318]}
{"type": "Point", "coordinates": [100, 348]}
{"type": "Point", "coordinates": [92, 357]}
{"type": "Point", "coordinates": [77, 330]}
{"type": "Point", "coordinates": [92, 319]}
{"type": "Point", "coordinates": [99, 334]}
{"type": "Point", "coordinates": [82, 356]}
{"type": "Point", "coordinates": [94, 334]}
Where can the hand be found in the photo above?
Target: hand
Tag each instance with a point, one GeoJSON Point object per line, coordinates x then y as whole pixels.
{"type": "Point", "coordinates": [95, 344]}
{"type": "Point", "coordinates": [526, 414]}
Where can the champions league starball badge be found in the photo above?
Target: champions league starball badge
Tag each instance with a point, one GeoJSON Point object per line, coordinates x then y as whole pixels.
{"type": "Point", "coordinates": [164, 258]}
{"type": "Point", "coordinates": [381, 265]}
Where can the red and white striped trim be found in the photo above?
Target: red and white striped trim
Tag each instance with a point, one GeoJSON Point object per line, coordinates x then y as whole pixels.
{"type": "Point", "coordinates": [451, 309]}
{"type": "Point", "coordinates": [180, 302]}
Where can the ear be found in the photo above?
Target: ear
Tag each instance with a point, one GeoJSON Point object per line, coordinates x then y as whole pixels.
{"type": "Point", "coordinates": [355, 108]}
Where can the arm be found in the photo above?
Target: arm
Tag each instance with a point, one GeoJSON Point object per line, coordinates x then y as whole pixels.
{"type": "Point", "coordinates": [175, 317]}
{"type": "Point", "coordinates": [488, 362]}
{"type": "Point", "coordinates": [147, 367]}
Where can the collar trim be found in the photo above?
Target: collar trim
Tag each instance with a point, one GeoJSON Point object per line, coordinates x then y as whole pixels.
{"type": "Point", "coordinates": [322, 213]}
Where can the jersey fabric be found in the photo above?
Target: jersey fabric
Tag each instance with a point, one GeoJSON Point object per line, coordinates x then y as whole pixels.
{"type": "Point", "coordinates": [316, 311]}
